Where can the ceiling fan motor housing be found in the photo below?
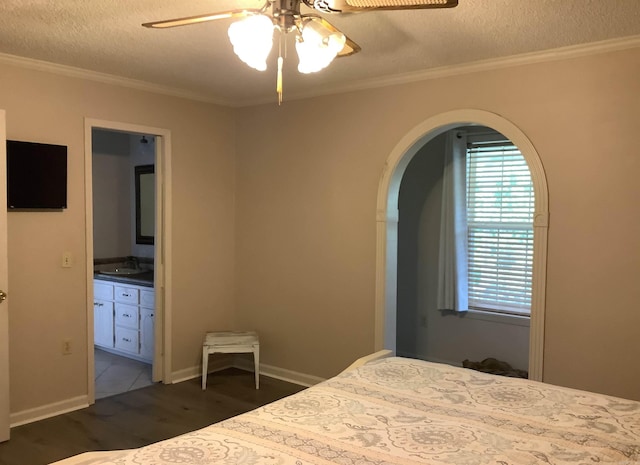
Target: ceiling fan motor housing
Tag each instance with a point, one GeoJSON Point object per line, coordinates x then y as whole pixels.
{"type": "Point", "coordinates": [285, 14]}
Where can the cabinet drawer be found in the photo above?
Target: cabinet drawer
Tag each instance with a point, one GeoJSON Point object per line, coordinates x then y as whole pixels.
{"type": "Point", "coordinates": [127, 339]}
{"type": "Point", "coordinates": [148, 299]}
{"type": "Point", "coordinates": [128, 295]}
{"type": "Point", "coordinates": [127, 315]}
{"type": "Point", "coordinates": [102, 290]}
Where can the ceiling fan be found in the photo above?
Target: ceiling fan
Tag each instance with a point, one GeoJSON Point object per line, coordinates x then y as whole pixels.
{"type": "Point", "coordinates": [318, 42]}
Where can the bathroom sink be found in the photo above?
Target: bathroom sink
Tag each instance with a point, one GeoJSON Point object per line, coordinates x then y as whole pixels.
{"type": "Point", "coordinates": [124, 272]}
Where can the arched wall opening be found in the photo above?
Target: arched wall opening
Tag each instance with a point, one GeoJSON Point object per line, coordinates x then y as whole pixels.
{"type": "Point", "coordinates": [387, 224]}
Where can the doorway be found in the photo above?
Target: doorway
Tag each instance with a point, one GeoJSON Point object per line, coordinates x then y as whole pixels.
{"type": "Point", "coordinates": [464, 251]}
{"type": "Point", "coordinates": [123, 263]}
{"type": "Point", "coordinates": [128, 241]}
{"type": "Point", "coordinates": [4, 277]}
{"type": "Point", "coordinates": [387, 224]}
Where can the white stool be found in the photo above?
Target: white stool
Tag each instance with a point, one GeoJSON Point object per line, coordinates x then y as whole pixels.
{"type": "Point", "coordinates": [231, 342]}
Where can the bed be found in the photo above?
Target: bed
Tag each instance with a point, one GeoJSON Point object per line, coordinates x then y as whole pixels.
{"type": "Point", "coordinates": [391, 411]}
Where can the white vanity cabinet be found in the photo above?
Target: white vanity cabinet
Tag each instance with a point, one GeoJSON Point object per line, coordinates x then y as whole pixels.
{"type": "Point", "coordinates": [103, 314]}
{"type": "Point", "coordinates": [147, 323]}
{"type": "Point", "coordinates": [124, 318]}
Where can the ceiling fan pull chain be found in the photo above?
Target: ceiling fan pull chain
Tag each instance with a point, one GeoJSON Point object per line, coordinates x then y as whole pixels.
{"type": "Point", "coordinates": [279, 82]}
{"type": "Point", "coordinates": [279, 78]}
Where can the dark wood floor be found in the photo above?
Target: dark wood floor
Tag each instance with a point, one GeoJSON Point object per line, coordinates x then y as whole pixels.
{"type": "Point", "coordinates": [141, 417]}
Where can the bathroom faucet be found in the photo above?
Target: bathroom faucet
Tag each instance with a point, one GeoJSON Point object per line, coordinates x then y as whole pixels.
{"type": "Point", "coordinates": [132, 262]}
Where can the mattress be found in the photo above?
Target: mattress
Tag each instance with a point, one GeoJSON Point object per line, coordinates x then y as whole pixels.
{"type": "Point", "coordinates": [403, 411]}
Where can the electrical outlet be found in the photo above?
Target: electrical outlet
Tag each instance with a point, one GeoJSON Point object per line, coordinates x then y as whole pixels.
{"type": "Point", "coordinates": [66, 260]}
{"type": "Point", "coordinates": [66, 347]}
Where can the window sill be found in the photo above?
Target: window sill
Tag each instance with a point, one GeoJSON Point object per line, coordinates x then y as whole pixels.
{"type": "Point", "coordinates": [504, 318]}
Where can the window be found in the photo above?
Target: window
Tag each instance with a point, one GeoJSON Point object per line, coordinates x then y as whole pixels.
{"type": "Point", "coordinates": [500, 207]}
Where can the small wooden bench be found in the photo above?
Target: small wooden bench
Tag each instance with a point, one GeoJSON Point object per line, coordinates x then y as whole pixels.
{"type": "Point", "coordinates": [230, 342]}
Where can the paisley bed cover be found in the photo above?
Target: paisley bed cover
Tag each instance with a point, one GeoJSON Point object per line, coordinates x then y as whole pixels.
{"type": "Point", "coordinates": [403, 411]}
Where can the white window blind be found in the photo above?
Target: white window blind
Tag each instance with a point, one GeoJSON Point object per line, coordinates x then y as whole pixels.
{"type": "Point", "coordinates": [500, 207]}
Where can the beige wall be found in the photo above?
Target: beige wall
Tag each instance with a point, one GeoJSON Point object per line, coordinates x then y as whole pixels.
{"type": "Point", "coordinates": [47, 301]}
{"type": "Point", "coordinates": [307, 183]}
{"type": "Point", "coordinates": [287, 211]}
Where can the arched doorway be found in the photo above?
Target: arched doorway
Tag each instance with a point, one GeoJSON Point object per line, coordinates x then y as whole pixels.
{"type": "Point", "coordinates": [387, 224]}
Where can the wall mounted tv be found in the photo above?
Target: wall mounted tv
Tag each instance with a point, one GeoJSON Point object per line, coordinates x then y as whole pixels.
{"type": "Point", "coordinates": [36, 176]}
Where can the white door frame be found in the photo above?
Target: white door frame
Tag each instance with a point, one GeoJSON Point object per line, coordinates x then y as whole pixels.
{"type": "Point", "coordinates": [4, 286]}
{"type": "Point", "coordinates": [162, 254]}
{"type": "Point", "coordinates": [387, 224]}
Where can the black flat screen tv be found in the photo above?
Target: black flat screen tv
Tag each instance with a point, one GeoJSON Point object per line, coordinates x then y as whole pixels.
{"type": "Point", "coordinates": [36, 176]}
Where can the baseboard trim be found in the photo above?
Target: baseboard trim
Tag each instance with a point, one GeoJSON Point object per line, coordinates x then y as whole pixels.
{"type": "Point", "coordinates": [80, 402]}
{"type": "Point", "coordinates": [283, 374]}
{"type": "Point", "coordinates": [48, 411]}
{"type": "Point", "coordinates": [196, 371]}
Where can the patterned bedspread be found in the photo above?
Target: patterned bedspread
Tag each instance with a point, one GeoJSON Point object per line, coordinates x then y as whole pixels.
{"type": "Point", "coordinates": [402, 411]}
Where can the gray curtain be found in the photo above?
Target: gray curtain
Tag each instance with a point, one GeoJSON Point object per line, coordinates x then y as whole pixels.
{"type": "Point", "coordinates": [452, 262]}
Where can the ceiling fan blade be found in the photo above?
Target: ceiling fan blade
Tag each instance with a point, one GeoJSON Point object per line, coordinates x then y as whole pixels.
{"type": "Point", "coordinates": [200, 18]}
{"type": "Point", "coordinates": [343, 6]}
{"type": "Point", "coordinates": [350, 47]}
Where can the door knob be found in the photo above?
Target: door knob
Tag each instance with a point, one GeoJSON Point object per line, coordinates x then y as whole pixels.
{"type": "Point", "coordinates": [3, 296]}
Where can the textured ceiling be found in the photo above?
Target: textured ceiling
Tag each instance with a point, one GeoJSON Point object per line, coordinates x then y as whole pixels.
{"type": "Point", "coordinates": [106, 36]}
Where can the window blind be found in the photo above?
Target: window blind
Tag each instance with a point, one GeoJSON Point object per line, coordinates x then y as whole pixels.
{"type": "Point", "coordinates": [500, 207]}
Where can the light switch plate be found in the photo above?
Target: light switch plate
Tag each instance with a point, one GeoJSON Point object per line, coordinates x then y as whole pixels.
{"type": "Point", "coordinates": [66, 260]}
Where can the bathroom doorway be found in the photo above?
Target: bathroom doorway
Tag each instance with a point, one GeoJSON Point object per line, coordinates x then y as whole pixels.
{"type": "Point", "coordinates": [127, 231]}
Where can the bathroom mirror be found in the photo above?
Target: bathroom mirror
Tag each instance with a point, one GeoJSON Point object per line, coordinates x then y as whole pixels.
{"type": "Point", "coordinates": [145, 204]}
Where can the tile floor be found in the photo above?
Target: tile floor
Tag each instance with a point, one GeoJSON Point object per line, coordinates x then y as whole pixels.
{"type": "Point", "coordinates": [115, 374]}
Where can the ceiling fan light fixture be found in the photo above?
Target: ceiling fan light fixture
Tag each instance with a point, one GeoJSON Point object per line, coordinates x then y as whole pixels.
{"type": "Point", "coordinates": [345, 6]}
{"type": "Point", "coordinates": [318, 42]}
{"type": "Point", "coordinates": [252, 40]}
{"type": "Point", "coordinates": [317, 46]}
{"type": "Point", "coordinates": [395, 3]}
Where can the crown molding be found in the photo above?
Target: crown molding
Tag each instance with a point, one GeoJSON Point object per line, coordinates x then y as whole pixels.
{"type": "Point", "coordinates": [105, 78]}
{"type": "Point", "coordinates": [561, 53]}
{"type": "Point", "coordinates": [556, 54]}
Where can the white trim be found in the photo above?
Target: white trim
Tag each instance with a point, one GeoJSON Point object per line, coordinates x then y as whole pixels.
{"type": "Point", "coordinates": [88, 233]}
{"type": "Point", "coordinates": [48, 411]}
{"type": "Point", "coordinates": [80, 73]}
{"type": "Point", "coordinates": [495, 317]}
{"type": "Point", "coordinates": [163, 250]}
{"type": "Point", "coordinates": [235, 361]}
{"type": "Point", "coordinates": [387, 217]}
{"type": "Point", "coordinates": [555, 54]}
{"type": "Point", "coordinates": [246, 364]}
{"type": "Point", "coordinates": [196, 371]}
{"type": "Point", "coordinates": [5, 394]}
{"type": "Point", "coordinates": [295, 377]}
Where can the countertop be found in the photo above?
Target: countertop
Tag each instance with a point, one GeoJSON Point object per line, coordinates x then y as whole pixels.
{"type": "Point", "coordinates": [142, 279]}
